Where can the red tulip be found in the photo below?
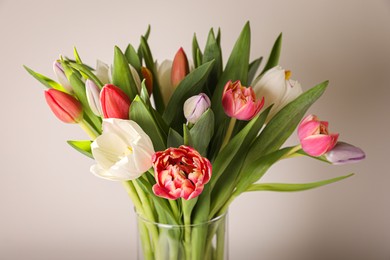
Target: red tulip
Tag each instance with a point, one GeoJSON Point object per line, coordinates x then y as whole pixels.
{"type": "Point", "coordinates": [180, 67]}
{"type": "Point", "coordinates": [115, 103]}
{"type": "Point", "coordinates": [67, 108]}
{"type": "Point", "coordinates": [180, 172]}
{"type": "Point", "coordinates": [240, 102]}
{"type": "Point", "coordinates": [315, 137]}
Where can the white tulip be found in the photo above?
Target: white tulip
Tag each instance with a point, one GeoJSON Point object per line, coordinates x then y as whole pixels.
{"type": "Point", "coordinates": [123, 152]}
{"type": "Point", "coordinates": [164, 79]}
{"type": "Point", "coordinates": [277, 88]}
{"type": "Point", "coordinates": [103, 72]}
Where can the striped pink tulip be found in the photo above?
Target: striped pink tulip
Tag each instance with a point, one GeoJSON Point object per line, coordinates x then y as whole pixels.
{"type": "Point", "coordinates": [240, 102]}
{"type": "Point", "coordinates": [114, 102]}
{"type": "Point", "coordinates": [180, 173]}
{"type": "Point", "coordinates": [315, 137]}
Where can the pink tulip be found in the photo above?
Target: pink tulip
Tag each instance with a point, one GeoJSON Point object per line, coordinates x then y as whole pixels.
{"type": "Point", "coordinates": [67, 108]}
{"type": "Point", "coordinates": [115, 103]}
{"type": "Point", "coordinates": [315, 137]}
{"type": "Point", "coordinates": [240, 102]}
{"type": "Point", "coordinates": [180, 67]}
{"type": "Point", "coordinates": [180, 172]}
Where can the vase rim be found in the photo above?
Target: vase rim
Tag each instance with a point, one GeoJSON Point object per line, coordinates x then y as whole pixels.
{"type": "Point", "coordinates": [165, 225]}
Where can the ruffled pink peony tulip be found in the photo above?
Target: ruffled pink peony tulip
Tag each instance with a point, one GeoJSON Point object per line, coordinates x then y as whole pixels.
{"type": "Point", "coordinates": [240, 102]}
{"type": "Point", "coordinates": [67, 108]}
{"type": "Point", "coordinates": [180, 172]}
{"type": "Point", "coordinates": [315, 137]}
{"type": "Point", "coordinates": [180, 67]}
{"type": "Point", "coordinates": [115, 103]}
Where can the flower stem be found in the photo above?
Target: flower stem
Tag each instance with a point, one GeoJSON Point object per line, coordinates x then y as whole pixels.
{"type": "Point", "coordinates": [88, 129]}
{"type": "Point", "coordinates": [229, 132]}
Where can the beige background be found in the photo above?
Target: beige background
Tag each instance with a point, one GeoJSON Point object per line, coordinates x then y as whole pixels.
{"type": "Point", "coordinates": [51, 207]}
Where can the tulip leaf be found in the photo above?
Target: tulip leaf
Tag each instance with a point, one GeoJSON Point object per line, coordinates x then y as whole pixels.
{"type": "Point", "coordinates": [291, 187]}
{"type": "Point", "coordinates": [213, 52]}
{"type": "Point", "coordinates": [83, 146]}
{"type": "Point", "coordinates": [144, 117]}
{"type": "Point", "coordinates": [281, 126]}
{"type": "Point", "coordinates": [187, 136]}
{"type": "Point", "coordinates": [253, 67]}
{"type": "Point", "coordinates": [174, 138]}
{"type": "Point", "coordinates": [49, 83]}
{"type": "Point", "coordinates": [121, 74]}
{"type": "Point", "coordinates": [144, 95]}
{"type": "Point", "coordinates": [196, 52]}
{"type": "Point", "coordinates": [273, 59]}
{"type": "Point", "coordinates": [85, 70]}
{"type": "Point", "coordinates": [132, 58]}
{"type": "Point", "coordinates": [146, 37]}
{"type": "Point", "coordinates": [191, 85]}
{"type": "Point", "coordinates": [149, 62]}
{"type": "Point", "coordinates": [203, 131]}
{"type": "Point", "coordinates": [77, 56]}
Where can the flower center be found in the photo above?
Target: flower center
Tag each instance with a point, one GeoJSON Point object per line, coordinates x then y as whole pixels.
{"type": "Point", "coordinates": [287, 74]}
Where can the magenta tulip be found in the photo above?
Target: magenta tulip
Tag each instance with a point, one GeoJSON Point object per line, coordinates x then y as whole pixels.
{"type": "Point", "coordinates": [67, 108]}
{"type": "Point", "coordinates": [180, 173]}
{"type": "Point", "coordinates": [315, 137]}
{"type": "Point", "coordinates": [115, 103]}
{"type": "Point", "coordinates": [240, 102]}
{"type": "Point", "coordinates": [180, 67]}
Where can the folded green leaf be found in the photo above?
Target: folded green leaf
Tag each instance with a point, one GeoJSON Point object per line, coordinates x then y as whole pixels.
{"type": "Point", "coordinates": [290, 187]}
{"type": "Point", "coordinates": [187, 136]}
{"type": "Point", "coordinates": [145, 118]}
{"type": "Point", "coordinates": [174, 139]}
{"type": "Point", "coordinates": [83, 146]}
{"type": "Point", "coordinates": [121, 74]}
{"type": "Point", "coordinates": [273, 59]}
{"type": "Point", "coordinates": [82, 68]}
{"type": "Point", "coordinates": [203, 131]}
{"type": "Point", "coordinates": [253, 67]}
{"type": "Point", "coordinates": [196, 52]}
{"type": "Point", "coordinates": [132, 58]}
{"type": "Point", "coordinates": [49, 83]}
{"type": "Point", "coordinates": [191, 85]}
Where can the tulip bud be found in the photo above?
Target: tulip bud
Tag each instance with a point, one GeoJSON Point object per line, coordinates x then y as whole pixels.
{"type": "Point", "coordinates": [195, 106]}
{"type": "Point", "coordinates": [63, 80]}
{"type": "Point", "coordinates": [93, 97]}
{"type": "Point", "coordinates": [164, 71]}
{"type": "Point", "coordinates": [240, 102]}
{"type": "Point", "coordinates": [103, 72]}
{"type": "Point", "coordinates": [344, 153]}
{"type": "Point", "coordinates": [115, 103]}
{"type": "Point", "coordinates": [67, 108]}
{"type": "Point", "coordinates": [315, 137]}
{"type": "Point", "coordinates": [180, 67]}
{"type": "Point", "coordinates": [147, 75]}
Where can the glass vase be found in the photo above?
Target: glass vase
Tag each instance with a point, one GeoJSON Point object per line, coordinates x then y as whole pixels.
{"type": "Point", "coordinates": [204, 241]}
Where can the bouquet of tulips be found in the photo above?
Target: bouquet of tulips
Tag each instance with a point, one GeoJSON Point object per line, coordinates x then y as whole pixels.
{"type": "Point", "coordinates": [187, 138]}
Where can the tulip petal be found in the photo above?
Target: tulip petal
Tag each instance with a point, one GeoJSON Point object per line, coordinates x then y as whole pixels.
{"type": "Point", "coordinates": [344, 153]}
{"type": "Point", "coordinates": [316, 145]}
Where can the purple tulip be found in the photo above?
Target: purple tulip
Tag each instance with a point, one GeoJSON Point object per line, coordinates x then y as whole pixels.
{"type": "Point", "coordinates": [344, 153]}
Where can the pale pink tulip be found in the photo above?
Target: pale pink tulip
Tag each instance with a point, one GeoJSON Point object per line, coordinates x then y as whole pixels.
{"type": "Point", "coordinates": [180, 173]}
{"type": "Point", "coordinates": [315, 137]}
{"type": "Point", "coordinates": [195, 106]}
{"type": "Point", "coordinates": [240, 102]}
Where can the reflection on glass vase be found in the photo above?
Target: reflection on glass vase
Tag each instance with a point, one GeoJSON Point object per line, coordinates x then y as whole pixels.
{"type": "Point", "coordinates": [204, 241]}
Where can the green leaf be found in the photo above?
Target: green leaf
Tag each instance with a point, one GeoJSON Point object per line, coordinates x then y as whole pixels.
{"type": "Point", "coordinates": [146, 37]}
{"type": "Point", "coordinates": [145, 95]}
{"type": "Point", "coordinates": [253, 67]}
{"type": "Point", "coordinates": [49, 83]}
{"type": "Point", "coordinates": [132, 58]}
{"type": "Point", "coordinates": [290, 187]}
{"type": "Point", "coordinates": [174, 138]}
{"type": "Point", "coordinates": [237, 145]}
{"type": "Point", "coordinates": [187, 136]}
{"type": "Point", "coordinates": [86, 71]}
{"type": "Point", "coordinates": [281, 126]}
{"type": "Point", "coordinates": [213, 52]}
{"type": "Point", "coordinates": [273, 58]}
{"type": "Point", "coordinates": [121, 74]}
{"type": "Point", "coordinates": [143, 116]}
{"type": "Point", "coordinates": [196, 52]}
{"type": "Point", "coordinates": [203, 131]}
{"type": "Point", "coordinates": [191, 85]}
{"type": "Point", "coordinates": [149, 62]}
{"type": "Point", "coordinates": [83, 146]}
